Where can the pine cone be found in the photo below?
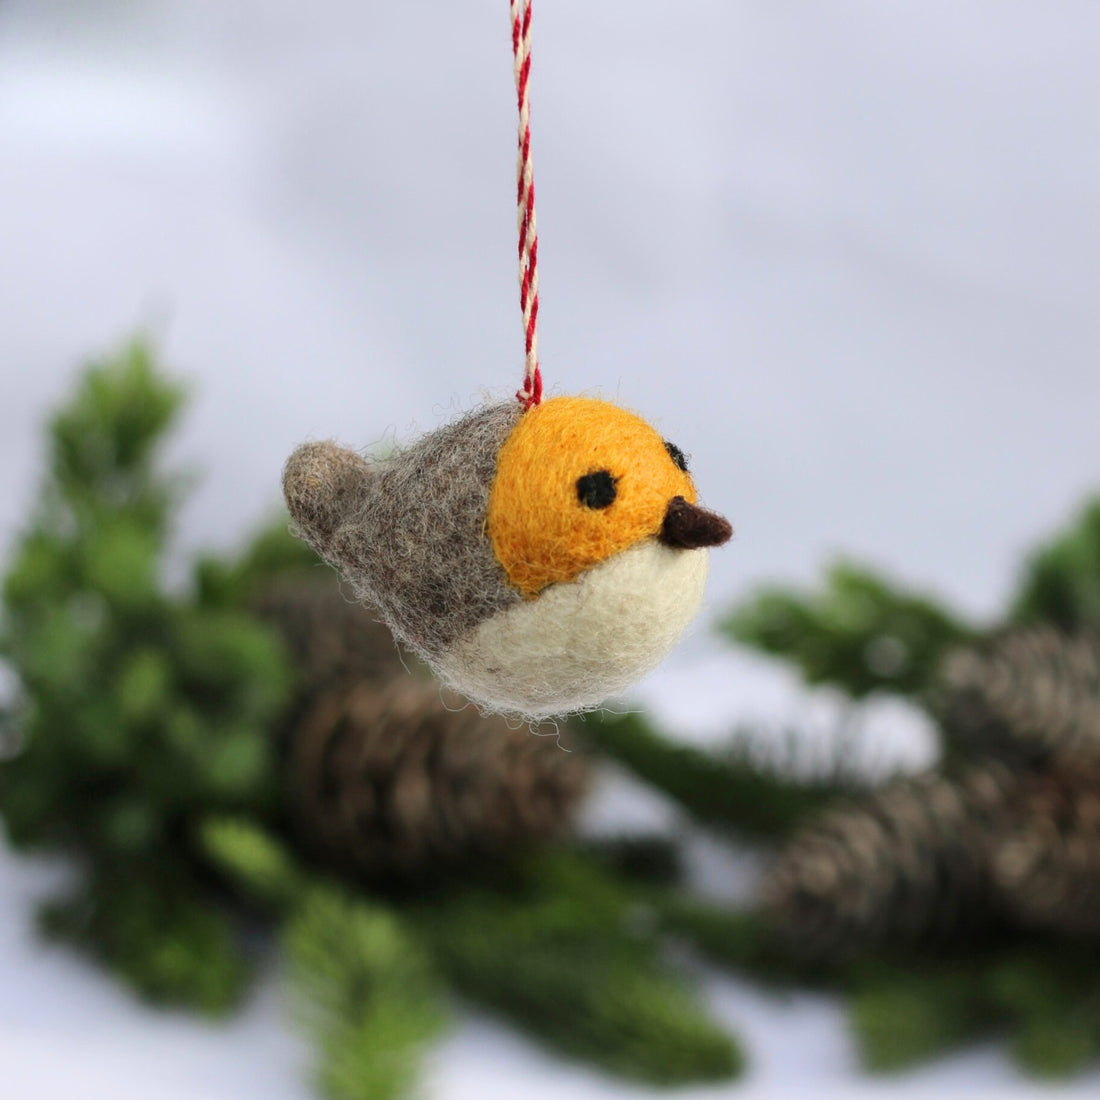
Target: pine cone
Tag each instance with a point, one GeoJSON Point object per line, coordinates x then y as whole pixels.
{"type": "Point", "coordinates": [909, 864]}
{"type": "Point", "coordinates": [1030, 695]}
{"type": "Point", "coordinates": [1046, 868]}
{"type": "Point", "coordinates": [386, 779]}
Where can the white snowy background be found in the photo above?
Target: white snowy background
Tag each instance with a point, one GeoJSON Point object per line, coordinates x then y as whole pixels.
{"type": "Point", "coordinates": [846, 254]}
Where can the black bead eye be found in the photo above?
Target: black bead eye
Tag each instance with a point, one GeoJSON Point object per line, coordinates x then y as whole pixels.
{"type": "Point", "coordinates": [596, 490]}
{"type": "Point", "coordinates": [677, 456]}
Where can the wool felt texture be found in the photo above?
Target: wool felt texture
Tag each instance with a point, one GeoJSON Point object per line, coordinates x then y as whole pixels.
{"type": "Point", "coordinates": [538, 560]}
{"type": "Point", "coordinates": [408, 531]}
{"type": "Point", "coordinates": [543, 529]}
{"type": "Point", "coordinates": [580, 642]}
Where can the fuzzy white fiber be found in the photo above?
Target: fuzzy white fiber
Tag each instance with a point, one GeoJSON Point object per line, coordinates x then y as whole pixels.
{"type": "Point", "coordinates": [581, 642]}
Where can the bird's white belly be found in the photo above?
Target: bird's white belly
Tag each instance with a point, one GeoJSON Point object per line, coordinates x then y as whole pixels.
{"type": "Point", "coordinates": [578, 643]}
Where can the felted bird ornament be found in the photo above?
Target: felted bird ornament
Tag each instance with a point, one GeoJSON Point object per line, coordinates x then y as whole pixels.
{"type": "Point", "coordinates": [538, 560]}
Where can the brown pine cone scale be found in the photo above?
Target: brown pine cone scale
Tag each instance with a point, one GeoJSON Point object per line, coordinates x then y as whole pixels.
{"type": "Point", "coordinates": [1046, 866]}
{"type": "Point", "coordinates": [386, 779]}
{"type": "Point", "coordinates": [1030, 695]}
{"type": "Point", "coordinates": [907, 865]}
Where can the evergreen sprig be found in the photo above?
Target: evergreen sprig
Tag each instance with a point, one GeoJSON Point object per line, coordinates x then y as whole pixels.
{"type": "Point", "coordinates": [730, 788]}
{"type": "Point", "coordinates": [159, 934]}
{"type": "Point", "coordinates": [366, 991]}
{"type": "Point", "coordinates": [572, 957]}
{"type": "Point", "coordinates": [364, 987]}
{"type": "Point", "coordinates": [859, 632]}
{"type": "Point", "coordinates": [907, 1007]}
{"type": "Point", "coordinates": [258, 866]}
{"type": "Point", "coordinates": [137, 705]}
{"type": "Point", "coordinates": [1060, 583]}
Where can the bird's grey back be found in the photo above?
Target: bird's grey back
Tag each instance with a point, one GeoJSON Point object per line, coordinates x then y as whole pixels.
{"type": "Point", "coordinates": [418, 548]}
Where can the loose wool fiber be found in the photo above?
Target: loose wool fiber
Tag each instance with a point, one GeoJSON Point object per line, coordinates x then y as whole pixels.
{"type": "Point", "coordinates": [580, 642]}
{"type": "Point", "coordinates": [540, 532]}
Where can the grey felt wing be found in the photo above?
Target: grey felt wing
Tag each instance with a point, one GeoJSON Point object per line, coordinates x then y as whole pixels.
{"type": "Point", "coordinates": [409, 531]}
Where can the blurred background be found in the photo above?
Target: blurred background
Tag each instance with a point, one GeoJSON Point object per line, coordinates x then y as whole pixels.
{"type": "Point", "coordinates": [846, 256]}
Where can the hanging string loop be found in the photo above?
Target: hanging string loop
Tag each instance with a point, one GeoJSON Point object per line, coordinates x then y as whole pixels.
{"type": "Point", "coordinates": [531, 393]}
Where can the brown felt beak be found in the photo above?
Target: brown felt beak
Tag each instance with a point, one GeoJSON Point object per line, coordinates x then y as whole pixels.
{"type": "Point", "coordinates": [689, 527]}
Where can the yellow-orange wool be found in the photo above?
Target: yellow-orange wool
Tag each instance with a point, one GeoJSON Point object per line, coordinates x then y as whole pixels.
{"type": "Point", "coordinates": [542, 533]}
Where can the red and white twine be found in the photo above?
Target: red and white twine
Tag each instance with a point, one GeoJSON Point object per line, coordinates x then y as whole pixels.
{"type": "Point", "coordinates": [531, 394]}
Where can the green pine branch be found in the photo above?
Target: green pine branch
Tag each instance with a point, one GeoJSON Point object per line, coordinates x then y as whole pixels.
{"type": "Point", "coordinates": [738, 940]}
{"type": "Point", "coordinates": [159, 935]}
{"type": "Point", "coordinates": [567, 959]}
{"type": "Point", "coordinates": [863, 634]}
{"type": "Point", "coordinates": [859, 632]}
{"type": "Point", "coordinates": [366, 991]}
{"type": "Point", "coordinates": [1044, 995]}
{"type": "Point", "coordinates": [135, 706]}
{"type": "Point", "coordinates": [272, 553]}
{"type": "Point", "coordinates": [257, 864]}
{"type": "Point", "coordinates": [906, 1008]}
{"type": "Point", "coordinates": [1051, 990]}
{"type": "Point", "coordinates": [731, 789]}
{"type": "Point", "coordinates": [903, 1017]}
{"type": "Point", "coordinates": [363, 985]}
{"type": "Point", "coordinates": [1060, 582]}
